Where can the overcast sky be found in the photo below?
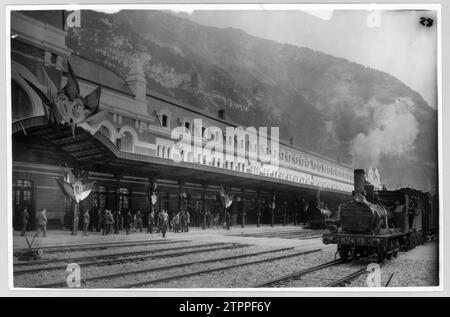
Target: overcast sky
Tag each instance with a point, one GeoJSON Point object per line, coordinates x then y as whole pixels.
{"type": "Point", "coordinates": [401, 46]}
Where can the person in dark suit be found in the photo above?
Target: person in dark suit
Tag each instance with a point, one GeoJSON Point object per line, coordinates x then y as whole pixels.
{"type": "Point", "coordinates": [150, 222]}
{"type": "Point", "coordinates": [86, 221]}
{"type": "Point", "coordinates": [100, 219]}
{"type": "Point", "coordinates": [24, 217]}
{"type": "Point", "coordinates": [128, 221]}
{"type": "Point", "coordinates": [164, 221]}
{"type": "Point", "coordinates": [41, 220]}
{"type": "Point", "coordinates": [183, 221]}
{"type": "Point", "coordinates": [116, 221]}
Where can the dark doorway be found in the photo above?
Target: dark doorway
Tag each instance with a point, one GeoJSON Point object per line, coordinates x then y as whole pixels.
{"type": "Point", "coordinates": [23, 198]}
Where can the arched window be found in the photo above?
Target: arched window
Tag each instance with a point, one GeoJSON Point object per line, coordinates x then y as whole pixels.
{"type": "Point", "coordinates": [21, 103]}
{"type": "Point", "coordinates": [126, 142]}
{"type": "Point", "coordinates": [165, 121]}
{"type": "Point", "coordinates": [101, 193]}
{"type": "Point", "coordinates": [124, 198]}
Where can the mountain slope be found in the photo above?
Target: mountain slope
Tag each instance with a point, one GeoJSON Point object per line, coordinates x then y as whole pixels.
{"type": "Point", "coordinates": [326, 104]}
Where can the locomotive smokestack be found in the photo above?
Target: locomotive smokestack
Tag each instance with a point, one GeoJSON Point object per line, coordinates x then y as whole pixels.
{"type": "Point", "coordinates": [360, 180]}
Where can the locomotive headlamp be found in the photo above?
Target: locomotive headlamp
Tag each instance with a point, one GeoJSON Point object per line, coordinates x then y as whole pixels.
{"type": "Point", "coordinates": [359, 198]}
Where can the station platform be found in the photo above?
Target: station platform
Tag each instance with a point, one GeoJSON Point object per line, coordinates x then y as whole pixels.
{"type": "Point", "coordinates": [265, 235]}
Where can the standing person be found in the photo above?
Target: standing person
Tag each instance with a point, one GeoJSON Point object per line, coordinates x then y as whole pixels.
{"type": "Point", "coordinates": [139, 219]}
{"type": "Point", "coordinates": [164, 220]}
{"type": "Point", "coordinates": [116, 217]}
{"type": "Point", "coordinates": [188, 221]}
{"type": "Point", "coordinates": [215, 220]}
{"type": "Point", "coordinates": [158, 225]}
{"type": "Point", "coordinates": [208, 219]}
{"type": "Point", "coordinates": [41, 221]}
{"type": "Point", "coordinates": [111, 221]}
{"type": "Point", "coordinates": [24, 218]}
{"type": "Point", "coordinates": [104, 222]}
{"type": "Point", "coordinates": [86, 221]}
{"type": "Point", "coordinates": [183, 221]}
{"type": "Point", "coordinates": [134, 222]}
{"type": "Point", "coordinates": [151, 222]}
{"type": "Point", "coordinates": [176, 222]}
{"type": "Point", "coordinates": [227, 220]}
{"type": "Point", "coordinates": [128, 221]}
{"type": "Point", "coordinates": [100, 218]}
{"type": "Point", "coordinates": [93, 218]}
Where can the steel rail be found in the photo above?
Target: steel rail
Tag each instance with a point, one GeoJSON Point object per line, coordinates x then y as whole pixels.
{"type": "Point", "coordinates": [110, 255]}
{"type": "Point", "coordinates": [346, 278]}
{"type": "Point", "coordinates": [131, 259]}
{"type": "Point", "coordinates": [101, 246]}
{"type": "Point", "coordinates": [299, 273]}
{"type": "Point", "coordinates": [162, 268]}
{"type": "Point", "coordinates": [165, 279]}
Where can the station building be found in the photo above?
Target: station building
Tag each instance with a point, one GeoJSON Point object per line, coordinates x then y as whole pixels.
{"type": "Point", "coordinates": [131, 148]}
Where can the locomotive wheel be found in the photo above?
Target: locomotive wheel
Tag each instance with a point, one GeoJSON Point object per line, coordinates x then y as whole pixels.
{"type": "Point", "coordinates": [381, 255]}
{"type": "Point", "coordinates": [413, 241]}
{"type": "Point", "coordinates": [344, 253]}
{"type": "Point", "coordinates": [390, 250]}
{"type": "Point", "coordinates": [407, 244]}
{"type": "Point", "coordinates": [396, 248]}
{"type": "Point", "coordinates": [422, 240]}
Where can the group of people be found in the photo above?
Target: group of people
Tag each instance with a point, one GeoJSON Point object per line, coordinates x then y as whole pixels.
{"type": "Point", "coordinates": [108, 222]}
{"type": "Point", "coordinates": [41, 221]}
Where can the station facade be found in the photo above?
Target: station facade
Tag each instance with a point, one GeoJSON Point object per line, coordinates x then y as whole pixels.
{"type": "Point", "coordinates": [130, 149]}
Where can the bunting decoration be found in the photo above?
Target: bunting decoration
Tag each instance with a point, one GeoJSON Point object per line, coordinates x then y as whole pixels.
{"type": "Point", "coordinates": [227, 197]}
{"type": "Point", "coordinates": [66, 106]}
{"type": "Point", "coordinates": [151, 192]}
{"type": "Point", "coordinates": [75, 187]}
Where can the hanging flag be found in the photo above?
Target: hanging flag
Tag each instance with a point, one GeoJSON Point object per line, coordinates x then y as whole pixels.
{"type": "Point", "coordinates": [45, 80]}
{"type": "Point", "coordinates": [74, 187]}
{"type": "Point", "coordinates": [92, 101]}
{"type": "Point", "coordinates": [71, 89]}
{"type": "Point", "coordinates": [65, 187]}
{"type": "Point", "coordinates": [227, 197]}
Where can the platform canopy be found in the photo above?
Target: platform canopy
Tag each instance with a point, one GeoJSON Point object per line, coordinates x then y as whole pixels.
{"type": "Point", "coordinates": [97, 153]}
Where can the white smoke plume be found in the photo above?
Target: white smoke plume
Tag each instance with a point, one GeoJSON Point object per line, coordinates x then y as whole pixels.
{"type": "Point", "coordinates": [392, 133]}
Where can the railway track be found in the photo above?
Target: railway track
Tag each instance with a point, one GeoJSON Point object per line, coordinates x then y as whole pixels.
{"type": "Point", "coordinates": [227, 267]}
{"type": "Point", "coordinates": [298, 274]}
{"type": "Point", "coordinates": [110, 259]}
{"type": "Point", "coordinates": [285, 235]}
{"type": "Point", "coordinates": [318, 279]}
{"type": "Point", "coordinates": [109, 255]}
{"type": "Point", "coordinates": [162, 268]}
{"type": "Point", "coordinates": [346, 279]}
{"type": "Point", "coordinates": [99, 246]}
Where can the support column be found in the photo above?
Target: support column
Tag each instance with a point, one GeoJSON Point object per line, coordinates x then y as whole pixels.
{"type": "Point", "coordinates": [154, 198]}
{"type": "Point", "coordinates": [258, 210]}
{"type": "Point", "coordinates": [76, 208]}
{"type": "Point", "coordinates": [118, 207]}
{"type": "Point", "coordinates": [180, 192]}
{"type": "Point", "coordinates": [243, 209]}
{"type": "Point", "coordinates": [284, 212]}
{"type": "Point", "coordinates": [272, 207]}
{"type": "Point", "coordinates": [295, 202]}
{"type": "Point", "coordinates": [204, 206]}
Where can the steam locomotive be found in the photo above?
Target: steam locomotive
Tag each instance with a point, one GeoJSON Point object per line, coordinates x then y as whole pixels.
{"type": "Point", "coordinates": [382, 222]}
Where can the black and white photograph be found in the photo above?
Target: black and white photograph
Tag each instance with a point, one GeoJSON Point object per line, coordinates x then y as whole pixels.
{"type": "Point", "coordinates": [207, 147]}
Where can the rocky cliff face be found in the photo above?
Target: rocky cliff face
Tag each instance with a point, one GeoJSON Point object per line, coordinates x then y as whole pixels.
{"type": "Point", "coordinates": [326, 104]}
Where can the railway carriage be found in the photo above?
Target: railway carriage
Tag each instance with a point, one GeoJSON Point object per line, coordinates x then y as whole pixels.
{"type": "Point", "coordinates": [382, 222]}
